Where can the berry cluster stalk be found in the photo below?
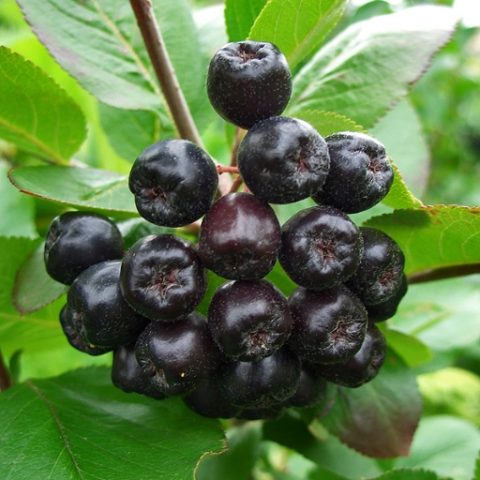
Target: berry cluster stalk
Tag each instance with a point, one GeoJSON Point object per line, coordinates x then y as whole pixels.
{"type": "Point", "coordinates": [167, 78]}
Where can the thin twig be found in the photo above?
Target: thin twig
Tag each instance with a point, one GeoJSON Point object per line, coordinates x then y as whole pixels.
{"type": "Point", "coordinates": [236, 184]}
{"type": "Point", "coordinates": [443, 273]}
{"type": "Point", "coordinates": [226, 169]}
{"type": "Point", "coordinates": [239, 134]}
{"type": "Point", "coordinates": [5, 380]}
{"type": "Point", "coordinates": [164, 70]}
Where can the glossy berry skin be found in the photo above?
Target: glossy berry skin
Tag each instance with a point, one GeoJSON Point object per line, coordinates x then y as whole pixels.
{"type": "Point", "coordinates": [360, 173]}
{"type": "Point", "coordinates": [177, 356]}
{"type": "Point", "coordinates": [249, 320]}
{"type": "Point", "coordinates": [248, 81]}
{"type": "Point", "coordinates": [127, 375]}
{"type": "Point", "coordinates": [97, 311]}
{"type": "Point", "coordinates": [311, 388]}
{"type": "Point", "coordinates": [208, 400]}
{"type": "Point", "coordinates": [363, 366]}
{"type": "Point", "coordinates": [78, 240]}
{"type": "Point", "coordinates": [240, 237]}
{"type": "Point", "coordinates": [162, 277]}
{"type": "Point", "coordinates": [385, 310]}
{"type": "Point", "coordinates": [321, 247]}
{"type": "Point", "coordinates": [283, 160]}
{"type": "Point", "coordinates": [74, 334]}
{"type": "Point", "coordinates": [174, 183]}
{"type": "Point", "coordinates": [380, 273]}
{"type": "Point", "coordinates": [261, 384]}
{"type": "Point", "coordinates": [328, 326]}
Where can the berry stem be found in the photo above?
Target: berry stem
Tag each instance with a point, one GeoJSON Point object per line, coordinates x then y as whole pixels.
{"type": "Point", "coordinates": [164, 70]}
{"type": "Point", "coordinates": [239, 134]}
{"type": "Point", "coordinates": [236, 184]}
{"type": "Point", "coordinates": [5, 380]}
{"type": "Point", "coordinates": [443, 273]}
{"type": "Point", "coordinates": [226, 169]}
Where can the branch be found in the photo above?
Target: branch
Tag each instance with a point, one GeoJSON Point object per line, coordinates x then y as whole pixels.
{"type": "Point", "coordinates": [5, 380]}
{"type": "Point", "coordinates": [164, 70]}
{"type": "Point", "coordinates": [443, 273]}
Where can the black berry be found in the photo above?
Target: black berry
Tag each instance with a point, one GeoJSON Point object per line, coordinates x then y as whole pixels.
{"type": "Point", "coordinates": [264, 383]}
{"type": "Point", "coordinates": [162, 277]}
{"type": "Point", "coordinates": [78, 240]}
{"type": "Point", "coordinates": [174, 183]}
{"type": "Point", "coordinates": [380, 273]}
{"type": "Point", "coordinates": [311, 388]}
{"type": "Point", "coordinates": [74, 334]}
{"type": "Point", "coordinates": [248, 81]}
{"type": "Point", "coordinates": [283, 160]}
{"type": "Point", "coordinates": [177, 356]}
{"type": "Point", "coordinates": [129, 376]}
{"type": "Point", "coordinates": [97, 312]}
{"type": "Point", "coordinates": [363, 366]}
{"type": "Point", "coordinates": [249, 320]}
{"type": "Point", "coordinates": [360, 173]}
{"type": "Point", "coordinates": [321, 247]}
{"type": "Point", "coordinates": [328, 326]}
{"type": "Point", "coordinates": [385, 310]}
{"type": "Point", "coordinates": [240, 237]}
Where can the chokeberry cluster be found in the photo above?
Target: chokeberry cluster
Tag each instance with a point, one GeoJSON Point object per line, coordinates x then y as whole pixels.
{"type": "Point", "coordinates": [257, 352]}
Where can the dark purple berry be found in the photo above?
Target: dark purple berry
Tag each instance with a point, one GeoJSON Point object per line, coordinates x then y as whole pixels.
{"type": "Point", "coordinates": [363, 366]}
{"type": "Point", "coordinates": [311, 388]}
{"type": "Point", "coordinates": [177, 356]}
{"type": "Point", "coordinates": [162, 277]}
{"type": "Point", "coordinates": [97, 312]}
{"type": "Point", "coordinates": [360, 173]}
{"type": "Point", "coordinates": [248, 81]}
{"type": "Point", "coordinates": [328, 326]}
{"type": "Point", "coordinates": [321, 248]}
{"type": "Point", "coordinates": [385, 310]}
{"type": "Point", "coordinates": [208, 400]}
{"type": "Point", "coordinates": [283, 160]}
{"type": "Point", "coordinates": [129, 376]}
{"type": "Point", "coordinates": [78, 240]}
{"type": "Point", "coordinates": [74, 334]}
{"type": "Point", "coordinates": [380, 273]}
{"type": "Point", "coordinates": [174, 183]}
{"type": "Point", "coordinates": [249, 320]}
{"type": "Point", "coordinates": [261, 384]}
{"type": "Point", "coordinates": [240, 237]}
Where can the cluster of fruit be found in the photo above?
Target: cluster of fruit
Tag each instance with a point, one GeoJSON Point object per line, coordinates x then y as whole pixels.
{"type": "Point", "coordinates": [258, 352]}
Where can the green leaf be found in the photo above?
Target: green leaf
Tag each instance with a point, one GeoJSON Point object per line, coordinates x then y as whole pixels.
{"type": "Point", "coordinates": [408, 474]}
{"type": "Point", "coordinates": [368, 67]}
{"type": "Point", "coordinates": [17, 212]}
{"type": "Point", "coordinates": [34, 288]}
{"type": "Point", "coordinates": [446, 445]}
{"type": "Point", "coordinates": [327, 123]}
{"type": "Point", "coordinates": [412, 350]}
{"type": "Point", "coordinates": [433, 312]}
{"type": "Point", "coordinates": [240, 16]}
{"type": "Point", "coordinates": [40, 331]}
{"type": "Point", "coordinates": [401, 133]}
{"type": "Point", "coordinates": [129, 131]}
{"type": "Point", "coordinates": [238, 461]}
{"type": "Point", "coordinates": [37, 115]}
{"type": "Point", "coordinates": [326, 451]}
{"type": "Point", "coordinates": [297, 27]}
{"type": "Point", "coordinates": [88, 430]}
{"type": "Point", "coordinates": [438, 236]}
{"type": "Point", "coordinates": [378, 419]}
{"type": "Point", "coordinates": [85, 188]}
{"type": "Point", "coordinates": [399, 195]}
